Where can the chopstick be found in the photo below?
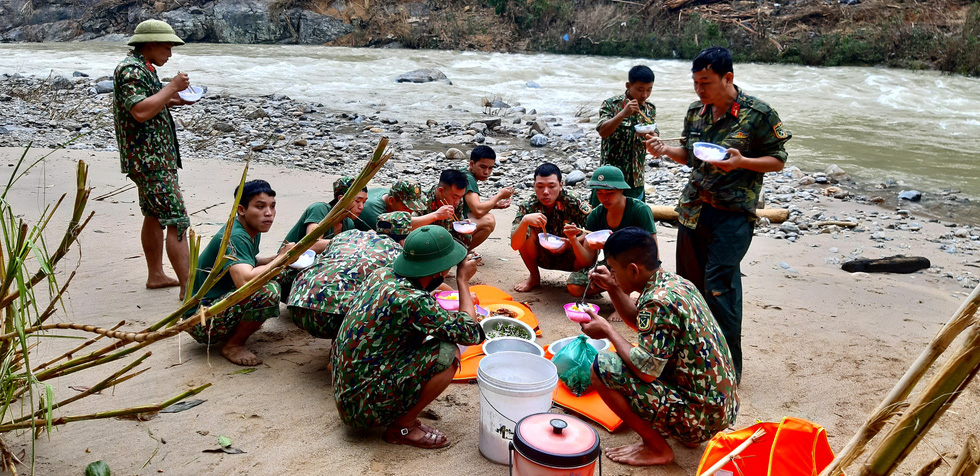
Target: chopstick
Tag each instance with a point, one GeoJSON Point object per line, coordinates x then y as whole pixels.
{"type": "Point", "coordinates": [645, 118]}
{"type": "Point", "coordinates": [455, 218]}
{"type": "Point", "coordinates": [665, 139]}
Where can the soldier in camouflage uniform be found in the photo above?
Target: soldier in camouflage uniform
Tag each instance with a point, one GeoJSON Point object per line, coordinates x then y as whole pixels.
{"type": "Point", "coordinates": [449, 191]}
{"type": "Point", "coordinates": [235, 325]}
{"type": "Point", "coordinates": [622, 146]}
{"type": "Point", "coordinates": [321, 293]}
{"type": "Point", "coordinates": [312, 217]}
{"type": "Point", "coordinates": [717, 207]}
{"type": "Point", "coordinates": [148, 151]}
{"type": "Point", "coordinates": [679, 380]}
{"type": "Point", "coordinates": [551, 210]}
{"type": "Point", "coordinates": [386, 368]}
{"type": "Point", "coordinates": [404, 196]}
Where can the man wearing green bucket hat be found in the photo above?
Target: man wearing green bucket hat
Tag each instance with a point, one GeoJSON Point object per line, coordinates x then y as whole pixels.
{"type": "Point", "coordinates": [396, 350]}
{"type": "Point", "coordinates": [321, 293]}
{"type": "Point", "coordinates": [148, 151]}
{"type": "Point", "coordinates": [614, 212]}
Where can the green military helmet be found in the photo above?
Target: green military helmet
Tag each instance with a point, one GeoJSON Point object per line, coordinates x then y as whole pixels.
{"type": "Point", "coordinates": [428, 250]}
{"type": "Point", "coordinates": [154, 31]}
{"type": "Point", "coordinates": [608, 177]}
{"type": "Point", "coordinates": [395, 224]}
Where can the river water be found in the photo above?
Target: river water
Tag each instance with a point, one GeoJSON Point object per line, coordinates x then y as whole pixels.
{"type": "Point", "coordinates": [921, 128]}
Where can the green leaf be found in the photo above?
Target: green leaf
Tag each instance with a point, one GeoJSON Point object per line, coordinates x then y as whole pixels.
{"type": "Point", "coordinates": [98, 468]}
{"type": "Point", "coordinates": [244, 371]}
{"type": "Point", "coordinates": [224, 441]}
{"type": "Point", "coordinates": [48, 401]}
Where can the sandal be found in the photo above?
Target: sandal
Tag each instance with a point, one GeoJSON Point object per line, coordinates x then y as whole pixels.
{"type": "Point", "coordinates": [429, 440]}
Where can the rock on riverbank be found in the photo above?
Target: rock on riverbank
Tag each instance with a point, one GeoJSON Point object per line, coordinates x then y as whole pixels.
{"type": "Point", "coordinates": [281, 131]}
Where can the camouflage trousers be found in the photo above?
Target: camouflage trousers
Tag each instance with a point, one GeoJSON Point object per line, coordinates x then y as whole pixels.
{"type": "Point", "coordinates": [322, 325]}
{"type": "Point", "coordinates": [660, 404]}
{"type": "Point", "coordinates": [399, 391]}
{"type": "Point", "coordinates": [260, 306]}
{"type": "Point", "coordinates": [160, 198]}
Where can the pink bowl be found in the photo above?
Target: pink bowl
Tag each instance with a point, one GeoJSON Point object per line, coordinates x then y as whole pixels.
{"type": "Point", "coordinates": [448, 304]}
{"type": "Point", "coordinates": [579, 316]}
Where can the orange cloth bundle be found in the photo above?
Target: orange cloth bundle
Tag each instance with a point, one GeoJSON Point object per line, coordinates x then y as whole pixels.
{"type": "Point", "coordinates": [793, 447]}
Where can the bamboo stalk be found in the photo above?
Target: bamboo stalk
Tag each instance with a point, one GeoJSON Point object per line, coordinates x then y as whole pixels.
{"type": "Point", "coordinates": [67, 355]}
{"type": "Point", "coordinates": [962, 366]}
{"type": "Point", "coordinates": [101, 415]}
{"type": "Point", "coordinates": [960, 320]}
{"type": "Point", "coordinates": [968, 461]}
{"type": "Point", "coordinates": [737, 451]}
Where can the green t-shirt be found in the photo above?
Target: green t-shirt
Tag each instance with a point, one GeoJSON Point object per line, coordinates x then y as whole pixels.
{"type": "Point", "coordinates": [471, 186]}
{"type": "Point", "coordinates": [636, 214]}
{"type": "Point", "coordinates": [315, 214]}
{"type": "Point", "coordinates": [242, 248]}
{"type": "Point", "coordinates": [373, 207]}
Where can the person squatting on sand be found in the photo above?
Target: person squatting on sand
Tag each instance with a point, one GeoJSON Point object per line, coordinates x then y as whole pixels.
{"type": "Point", "coordinates": [622, 146]}
{"type": "Point", "coordinates": [614, 212]}
{"type": "Point", "coordinates": [148, 151]}
{"type": "Point", "coordinates": [679, 380]}
{"type": "Point", "coordinates": [233, 327]}
{"type": "Point", "coordinates": [447, 192]}
{"type": "Point", "coordinates": [548, 211]}
{"type": "Point", "coordinates": [386, 369]}
{"type": "Point", "coordinates": [477, 210]}
{"type": "Point", "coordinates": [717, 206]}
{"type": "Point", "coordinates": [322, 292]}
{"type": "Point", "coordinates": [312, 217]}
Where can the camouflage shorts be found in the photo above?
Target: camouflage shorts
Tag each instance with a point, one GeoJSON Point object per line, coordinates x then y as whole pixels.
{"type": "Point", "coordinates": [401, 391]}
{"type": "Point", "coordinates": [322, 325]}
{"type": "Point", "coordinates": [260, 306]}
{"type": "Point", "coordinates": [664, 407]}
{"type": "Point", "coordinates": [160, 198]}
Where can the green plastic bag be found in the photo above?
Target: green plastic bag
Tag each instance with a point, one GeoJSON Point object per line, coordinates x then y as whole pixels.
{"type": "Point", "coordinates": [574, 362]}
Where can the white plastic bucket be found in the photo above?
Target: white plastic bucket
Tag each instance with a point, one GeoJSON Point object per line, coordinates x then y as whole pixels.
{"type": "Point", "coordinates": [513, 385]}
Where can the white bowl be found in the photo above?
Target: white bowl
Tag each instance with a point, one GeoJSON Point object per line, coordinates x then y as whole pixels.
{"type": "Point", "coordinates": [598, 237]}
{"type": "Point", "coordinates": [192, 93]}
{"type": "Point", "coordinates": [598, 344]}
{"type": "Point", "coordinates": [646, 128]}
{"type": "Point", "coordinates": [511, 344]}
{"type": "Point", "coordinates": [551, 242]}
{"type": "Point", "coordinates": [492, 322]}
{"type": "Point", "coordinates": [464, 227]}
{"type": "Point", "coordinates": [304, 261]}
{"type": "Point", "coordinates": [708, 152]}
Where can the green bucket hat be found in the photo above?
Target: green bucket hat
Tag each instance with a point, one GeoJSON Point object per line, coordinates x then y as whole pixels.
{"type": "Point", "coordinates": [608, 177]}
{"type": "Point", "coordinates": [428, 250]}
{"type": "Point", "coordinates": [410, 193]}
{"type": "Point", "coordinates": [395, 224]}
{"type": "Point", "coordinates": [340, 187]}
{"type": "Point", "coordinates": [154, 31]}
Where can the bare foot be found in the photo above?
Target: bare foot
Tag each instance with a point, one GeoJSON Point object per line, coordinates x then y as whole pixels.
{"type": "Point", "coordinates": [614, 317]}
{"type": "Point", "coordinates": [240, 355]}
{"type": "Point", "coordinates": [530, 283]}
{"type": "Point", "coordinates": [640, 454]}
{"type": "Point", "coordinates": [161, 282]}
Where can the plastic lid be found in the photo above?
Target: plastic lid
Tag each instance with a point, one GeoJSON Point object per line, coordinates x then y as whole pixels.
{"type": "Point", "coordinates": [559, 441]}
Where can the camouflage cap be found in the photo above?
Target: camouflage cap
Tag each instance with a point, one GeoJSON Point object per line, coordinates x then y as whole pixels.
{"type": "Point", "coordinates": [395, 224]}
{"type": "Point", "coordinates": [409, 193]}
{"type": "Point", "coordinates": [341, 186]}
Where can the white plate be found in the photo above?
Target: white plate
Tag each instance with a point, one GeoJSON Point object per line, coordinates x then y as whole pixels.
{"type": "Point", "coordinates": [709, 152]}
{"type": "Point", "coordinates": [304, 261]}
{"type": "Point", "coordinates": [646, 128]}
{"type": "Point", "coordinates": [192, 93]}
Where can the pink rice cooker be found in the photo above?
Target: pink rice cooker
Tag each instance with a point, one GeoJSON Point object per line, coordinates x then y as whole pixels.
{"type": "Point", "coordinates": [548, 444]}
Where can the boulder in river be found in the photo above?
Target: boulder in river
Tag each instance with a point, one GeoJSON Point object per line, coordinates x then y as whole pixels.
{"type": "Point", "coordinates": [426, 75]}
{"type": "Point", "coordinates": [910, 195]}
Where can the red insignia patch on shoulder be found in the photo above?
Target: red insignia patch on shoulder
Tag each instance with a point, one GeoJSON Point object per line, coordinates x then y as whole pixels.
{"type": "Point", "coordinates": [735, 108]}
{"type": "Point", "coordinates": [779, 132]}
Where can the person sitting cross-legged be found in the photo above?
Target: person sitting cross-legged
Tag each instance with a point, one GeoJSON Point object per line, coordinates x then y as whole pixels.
{"type": "Point", "coordinates": [396, 350]}
{"type": "Point", "coordinates": [679, 380]}
{"type": "Point", "coordinates": [234, 326]}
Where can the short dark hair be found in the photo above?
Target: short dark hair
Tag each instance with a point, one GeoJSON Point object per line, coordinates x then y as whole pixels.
{"type": "Point", "coordinates": [640, 74]}
{"type": "Point", "coordinates": [717, 58]}
{"type": "Point", "coordinates": [633, 245]}
{"type": "Point", "coordinates": [547, 169]}
{"type": "Point", "coordinates": [253, 188]}
{"type": "Point", "coordinates": [482, 152]}
{"type": "Point", "coordinates": [452, 178]}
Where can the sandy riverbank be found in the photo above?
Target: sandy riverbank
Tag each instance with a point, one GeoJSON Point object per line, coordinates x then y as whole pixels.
{"type": "Point", "coordinates": [820, 343]}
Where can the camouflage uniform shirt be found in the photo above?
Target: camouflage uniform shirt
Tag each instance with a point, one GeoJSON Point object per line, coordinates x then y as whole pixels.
{"type": "Point", "coordinates": [624, 147]}
{"type": "Point", "coordinates": [381, 357]}
{"type": "Point", "coordinates": [750, 126]}
{"type": "Point", "coordinates": [147, 146]}
{"type": "Point", "coordinates": [339, 270]}
{"type": "Point", "coordinates": [567, 209]}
